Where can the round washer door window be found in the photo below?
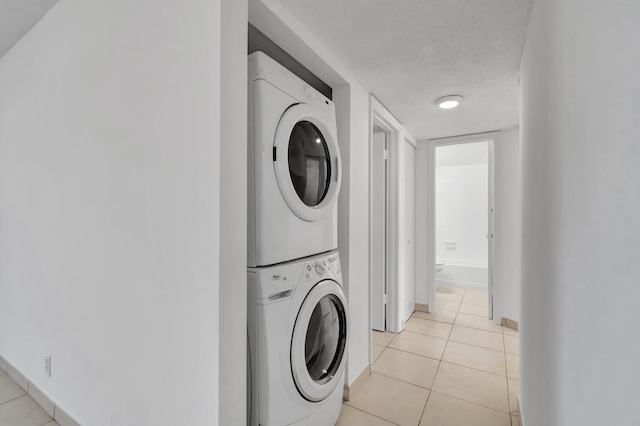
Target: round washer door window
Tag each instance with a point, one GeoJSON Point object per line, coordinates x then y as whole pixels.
{"type": "Point", "coordinates": [307, 162]}
{"type": "Point", "coordinates": [319, 341]}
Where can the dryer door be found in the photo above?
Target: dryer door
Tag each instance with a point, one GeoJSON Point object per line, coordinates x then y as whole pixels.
{"type": "Point", "coordinates": [307, 162]}
{"type": "Point", "coordinates": [319, 341]}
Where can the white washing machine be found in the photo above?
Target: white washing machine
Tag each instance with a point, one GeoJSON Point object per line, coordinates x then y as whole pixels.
{"type": "Point", "coordinates": [294, 166]}
{"type": "Point", "coordinates": [298, 335]}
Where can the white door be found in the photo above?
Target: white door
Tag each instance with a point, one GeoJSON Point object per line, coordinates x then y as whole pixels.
{"type": "Point", "coordinates": [379, 170]}
{"type": "Point", "coordinates": [410, 229]}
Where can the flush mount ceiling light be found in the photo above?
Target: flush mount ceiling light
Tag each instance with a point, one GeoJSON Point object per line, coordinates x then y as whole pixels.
{"type": "Point", "coordinates": [448, 102]}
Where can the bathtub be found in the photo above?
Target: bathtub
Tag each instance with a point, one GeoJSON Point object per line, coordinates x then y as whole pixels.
{"type": "Point", "coordinates": [458, 274]}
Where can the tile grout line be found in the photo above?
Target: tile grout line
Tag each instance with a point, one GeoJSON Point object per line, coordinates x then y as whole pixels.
{"type": "Point", "coordinates": [472, 368]}
{"type": "Point", "coordinates": [511, 415]}
{"type": "Point", "coordinates": [373, 415]}
{"type": "Point", "coordinates": [428, 335]}
{"type": "Point", "coordinates": [476, 328]}
{"type": "Point", "coordinates": [506, 376]}
{"type": "Point", "coordinates": [404, 381]}
{"type": "Point", "coordinates": [452, 325]}
{"type": "Point", "coordinates": [476, 346]}
{"type": "Point", "coordinates": [412, 353]}
{"type": "Point", "coordinates": [473, 403]}
{"type": "Point", "coordinates": [476, 369]}
{"type": "Point", "coordinates": [424, 410]}
{"type": "Point", "coordinates": [13, 399]}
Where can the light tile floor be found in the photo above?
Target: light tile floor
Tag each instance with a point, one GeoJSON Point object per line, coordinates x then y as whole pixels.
{"type": "Point", "coordinates": [17, 408]}
{"type": "Point", "coordinates": [455, 367]}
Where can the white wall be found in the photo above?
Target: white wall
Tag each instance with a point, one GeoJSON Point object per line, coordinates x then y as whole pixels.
{"type": "Point", "coordinates": [462, 200]}
{"type": "Point", "coordinates": [408, 239]}
{"type": "Point", "coordinates": [352, 108]}
{"type": "Point", "coordinates": [405, 237]}
{"type": "Point", "coordinates": [109, 209]}
{"type": "Point", "coordinates": [425, 224]}
{"type": "Point", "coordinates": [580, 90]}
{"type": "Point", "coordinates": [233, 212]}
{"type": "Point", "coordinates": [507, 225]}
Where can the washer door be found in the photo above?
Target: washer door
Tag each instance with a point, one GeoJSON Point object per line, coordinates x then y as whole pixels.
{"type": "Point", "coordinates": [307, 162]}
{"type": "Point", "coordinates": [319, 341]}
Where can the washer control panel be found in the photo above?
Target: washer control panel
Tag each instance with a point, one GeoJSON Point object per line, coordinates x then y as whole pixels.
{"type": "Point", "coordinates": [322, 266]}
{"type": "Point", "coordinates": [278, 282]}
{"type": "Point", "coordinates": [333, 263]}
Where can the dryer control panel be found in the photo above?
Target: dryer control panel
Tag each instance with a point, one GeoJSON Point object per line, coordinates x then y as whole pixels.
{"type": "Point", "coordinates": [320, 101]}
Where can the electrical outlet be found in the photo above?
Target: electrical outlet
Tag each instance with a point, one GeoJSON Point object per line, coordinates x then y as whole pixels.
{"type": "Point", "coordinates": [47, 365]}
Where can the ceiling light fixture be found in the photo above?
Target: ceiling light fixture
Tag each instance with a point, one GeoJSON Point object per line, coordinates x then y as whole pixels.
{"type": "Point", "coordinates": [448, 102]}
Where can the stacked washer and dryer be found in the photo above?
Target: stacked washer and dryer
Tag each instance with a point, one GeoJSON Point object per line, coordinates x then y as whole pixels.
{"type": "Point", "coordinates": [297, 311]}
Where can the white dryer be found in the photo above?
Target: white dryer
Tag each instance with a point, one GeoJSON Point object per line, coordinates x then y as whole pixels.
{"type": "Point", "coordinates": [298, 335]}
{"type": "Point", "coordinates": [294, 166]}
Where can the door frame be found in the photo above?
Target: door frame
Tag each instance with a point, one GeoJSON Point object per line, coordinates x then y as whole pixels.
{"type": "Point", "coordinates": [381, 117]}
{"type": "Point", "coordinates": [409, 271]}
{"type": "Point", "coordinates": [431, 213]}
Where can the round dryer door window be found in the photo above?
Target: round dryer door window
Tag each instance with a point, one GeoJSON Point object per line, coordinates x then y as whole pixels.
{"type": "Point", "coordinates": [307, 161]}
{"type": "Point", "coordinates": [319, 341]}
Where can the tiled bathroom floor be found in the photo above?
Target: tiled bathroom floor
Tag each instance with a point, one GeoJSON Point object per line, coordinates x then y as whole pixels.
{"type": "Point", "coordinates": [451, 368]}
{"type": "Point", "coordinates": [17, 408]}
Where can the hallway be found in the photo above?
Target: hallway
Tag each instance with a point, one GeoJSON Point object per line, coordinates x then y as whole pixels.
{"type": "Point", "coordinates": [454, 367]}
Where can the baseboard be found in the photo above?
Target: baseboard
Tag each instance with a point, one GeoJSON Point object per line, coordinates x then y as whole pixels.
{"type": "Point", "coordinates": [506, 322]}
{"type": "Point", "coordinates": [349, 391]}
{"type": "Point", "coordinates": [53, 410]}
{"type": "Point", "coordinates": [4, 365]}
{"type": "Point", "coordinates": [422, 308]}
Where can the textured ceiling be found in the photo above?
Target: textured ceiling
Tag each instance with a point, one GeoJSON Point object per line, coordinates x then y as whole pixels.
{"type": "Point", "coordinates": [409, 53]}
{"type": "Point", "coordinates": [17, 17]}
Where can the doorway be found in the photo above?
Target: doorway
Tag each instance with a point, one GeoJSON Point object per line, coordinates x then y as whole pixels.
{"type": "Point", "coordinates": [463, 220]}
{"type": "Point", "coordinates": [384, 263]}
{"type": "Point", "coordinates": [392, 153]}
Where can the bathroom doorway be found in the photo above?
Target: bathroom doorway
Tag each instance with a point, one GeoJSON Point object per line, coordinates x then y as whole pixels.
{"type": "Point", "coordinates": [463, 222]}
